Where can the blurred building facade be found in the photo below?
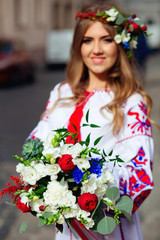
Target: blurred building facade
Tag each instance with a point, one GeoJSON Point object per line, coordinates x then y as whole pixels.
{"type": "Point", "coordinates": [32, 20]}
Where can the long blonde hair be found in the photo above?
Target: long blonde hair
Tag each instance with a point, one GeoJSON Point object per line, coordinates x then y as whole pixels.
{"type": "Point", "coordinates": [122, 78]}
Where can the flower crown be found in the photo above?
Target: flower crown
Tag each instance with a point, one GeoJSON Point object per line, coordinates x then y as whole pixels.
{"type": "Point", "coordinates": [129, 26]}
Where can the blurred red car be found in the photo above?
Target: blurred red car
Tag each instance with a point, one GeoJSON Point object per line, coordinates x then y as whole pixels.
{"type": "Point", "coordinates": [16, 65]}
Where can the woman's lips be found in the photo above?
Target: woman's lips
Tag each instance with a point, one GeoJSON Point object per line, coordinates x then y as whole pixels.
{"type": "Point", "coordinates": [98, 60]}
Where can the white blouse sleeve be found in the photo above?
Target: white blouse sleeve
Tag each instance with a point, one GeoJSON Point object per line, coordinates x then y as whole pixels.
{"type": "Point", "coordinates": [135, 147]}
{"type": "Point", "coordinates": [42, 129]}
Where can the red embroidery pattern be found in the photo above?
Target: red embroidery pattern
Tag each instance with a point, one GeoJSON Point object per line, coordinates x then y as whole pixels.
{"type": "Point", "coordinates": [141, 124]}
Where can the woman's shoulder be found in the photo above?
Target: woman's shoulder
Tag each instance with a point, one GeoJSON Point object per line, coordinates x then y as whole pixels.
{"type": "Point", "coordinates": [63, 88]}
{"type": "Point", "coordinates": [133, 101]}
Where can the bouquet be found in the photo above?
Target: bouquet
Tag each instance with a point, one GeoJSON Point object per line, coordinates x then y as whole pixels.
{"type": "Point", "coordinates": [66, 182]}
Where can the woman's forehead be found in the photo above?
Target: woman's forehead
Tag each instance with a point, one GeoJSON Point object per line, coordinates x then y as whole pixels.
{"type": "Point", "coordinates": [96, 29]}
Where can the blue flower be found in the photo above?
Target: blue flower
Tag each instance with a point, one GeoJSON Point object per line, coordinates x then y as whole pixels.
{"type": "Point", "coordinates": [126, 45]}
{"type": "Point", "coordinates": [131, 18]}
{"type": "Point", "coordinates": [77, 175]}
{"type": "Point", "coordinates": [95, 168]}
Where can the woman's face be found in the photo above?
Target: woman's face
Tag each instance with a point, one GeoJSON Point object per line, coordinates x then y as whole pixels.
{"type": "Point", "coordinates": [98, 50]}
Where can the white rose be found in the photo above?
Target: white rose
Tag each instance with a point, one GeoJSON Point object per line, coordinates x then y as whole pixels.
{"type": "Point", "coordinates": [70, 214]}
{"type": "Point", "coordinates": [75, 150]}
{"type": "Point", "coordinates": [20, 167]}
{"type": "Point", "coordinates": [65, 149]}
{"type": "Point", "coordinates": [118, 39]}
{"type": "Point", "coordinates": [40, 170]}
{"type": "Point", "coordinates": [52, 169]}
{"type": "Point", "coordinates": [29, 175]}
{"type": "Point", "coordinates": [82, 163]}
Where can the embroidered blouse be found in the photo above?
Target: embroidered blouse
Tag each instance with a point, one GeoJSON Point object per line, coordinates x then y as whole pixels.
{"type": "Point", "coordinates": [133, 144]}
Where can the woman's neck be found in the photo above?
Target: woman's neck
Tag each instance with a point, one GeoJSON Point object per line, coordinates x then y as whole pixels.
{"type": "Point", "coordinates": [97, 82]}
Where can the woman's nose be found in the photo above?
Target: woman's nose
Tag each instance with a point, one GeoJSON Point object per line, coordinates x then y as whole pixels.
{"type": "Point", "coordinates": [97, 48]}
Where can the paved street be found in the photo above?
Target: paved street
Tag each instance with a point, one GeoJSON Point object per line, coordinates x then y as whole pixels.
{"type": "Point", "coordinates": [21, 108]}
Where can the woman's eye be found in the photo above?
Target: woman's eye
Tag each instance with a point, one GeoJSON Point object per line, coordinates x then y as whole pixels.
{"type": "Point", "coordinates": [86, 40]}
{"type": "Point", "coordinates": [108, 40]}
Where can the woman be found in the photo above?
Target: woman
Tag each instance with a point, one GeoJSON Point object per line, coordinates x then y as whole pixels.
{"type": "Point", "coordinates": [101, 78]}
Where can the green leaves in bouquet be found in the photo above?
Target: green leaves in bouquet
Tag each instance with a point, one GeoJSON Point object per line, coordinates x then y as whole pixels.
{"type": "Point", "coordinates": [105, 221]}
{"type": "Point", "coordinates": [112, 193]}
{"type": "Point", "coordinates": [32, 148]}
{"type": "Point", "coordinates": [23, 227]}
{"type": "Point", "coordinates": [106, 225]}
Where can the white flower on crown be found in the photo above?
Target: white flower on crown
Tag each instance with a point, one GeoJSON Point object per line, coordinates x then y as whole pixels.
{"type": "Point", "coordinates": [82, 163]}
{"type": "Point", "coordinates": [118, 38]}
{"type": "Point", "coordinates": [133, 44]}
{"type": "Point", "coordinates": [113, 14]}
{"type": "Point", "coordinates": [125, 38]}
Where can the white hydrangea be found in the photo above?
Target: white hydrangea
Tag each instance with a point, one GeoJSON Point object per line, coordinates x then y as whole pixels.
{"type": "Point", "coordinates": [112, 13]}
{"type": "Point", "coordinates": [82, 163]}
{"type": "Point", "coordinates": [58, 195]}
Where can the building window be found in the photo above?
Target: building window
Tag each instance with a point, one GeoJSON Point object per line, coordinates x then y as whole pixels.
{"type": "Point", "coordinates": [40, 12]}
{"type": "Point", "coordinates": [67, 16]}
{"type": "Point", "coordinates": [56, 16]}
{"type": "Point", "coordinates": [21, 13]}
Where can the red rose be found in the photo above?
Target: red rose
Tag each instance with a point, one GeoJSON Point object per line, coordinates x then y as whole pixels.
{"type": "Point", "coordinates": [87, 201]}
{"type": "Point", "coordinates": [135, 27]}
{"type": "Point", "coordinates": [144, 28]}
{"type": "Point", "coordinates": [23, 207]}
{"type": "Point", "coordinates": [133, 16]}
{"type": "Point", "coordinates": [65, 163]}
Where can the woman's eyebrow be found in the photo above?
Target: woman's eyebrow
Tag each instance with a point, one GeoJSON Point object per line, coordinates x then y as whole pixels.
{"type": "Point", "coordinates": [105, 36]}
